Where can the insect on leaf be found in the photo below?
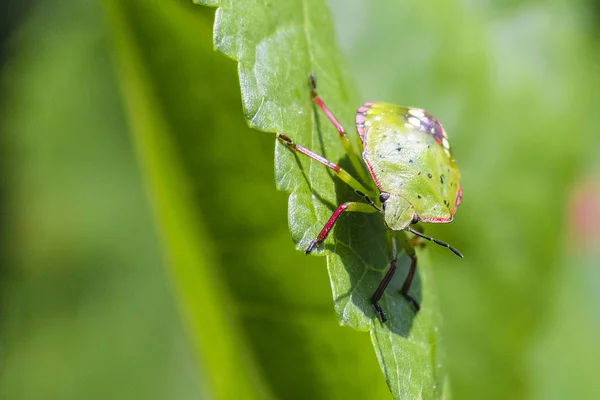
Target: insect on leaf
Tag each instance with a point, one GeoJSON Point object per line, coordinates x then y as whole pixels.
{"type": "Point", "coordinates": [278, 45]}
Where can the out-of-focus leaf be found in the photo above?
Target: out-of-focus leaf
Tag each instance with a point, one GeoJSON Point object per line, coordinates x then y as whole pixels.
{"type": "Point", "coordinates": [503, 78]}
{"type": "Point", "coordinates": [220, 347]}
{"type": "Point", "coordinates": [277, 46]}
{"type": "Point", "coordinates": [184, 98]}
{"type": "Point", "coordinates": [566, 349]}
{"type": "Point", "coordinates": [85, 309]}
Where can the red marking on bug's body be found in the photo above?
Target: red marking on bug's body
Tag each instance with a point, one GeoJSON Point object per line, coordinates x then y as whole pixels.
{"type": "Point", "coordinates": [438, 220]}
{"type": "Point", "coordinates": [446, 220]}
{"type": "Point", "coordinates": [365, 107]}
{"type": "Point", "coordinates": [372, 172]}
{"type": "Point", "coordinates": [459, 198]}
{"type": "Point", "coordinates": [361, 117]}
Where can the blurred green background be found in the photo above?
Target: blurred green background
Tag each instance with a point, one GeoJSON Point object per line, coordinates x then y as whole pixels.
{"type": "Point", "coordinates": [88, 309]}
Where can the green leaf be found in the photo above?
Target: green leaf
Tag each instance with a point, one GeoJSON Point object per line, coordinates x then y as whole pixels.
{"type": "Point", "coordinates": [88, 314]}
{"type": "Point", "coordinates": [223, 226]}
{"type": "Point", "coordinates": [277, 46]}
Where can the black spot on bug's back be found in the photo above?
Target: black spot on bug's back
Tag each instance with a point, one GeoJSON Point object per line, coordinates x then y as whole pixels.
{"type": "Point", "coordinates": [442, 179]}
{"type": "Point", "coordinates": [429, 176]}
{"type": "Point", "coordinates": [399, 149]}
{"type": "Point", "coordinates": [419, 196]}
{"type": "Point", "coordinates": [410, 161]}
{"type": "Point", "coordinates": [419, 173]}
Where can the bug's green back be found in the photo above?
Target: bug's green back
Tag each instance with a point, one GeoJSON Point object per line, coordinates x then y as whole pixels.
{"type": "Point", "coordinates": [408, 154]}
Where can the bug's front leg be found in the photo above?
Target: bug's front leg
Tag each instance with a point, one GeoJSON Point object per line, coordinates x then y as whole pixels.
{"type": "Point", "coordinates": [350, 206]}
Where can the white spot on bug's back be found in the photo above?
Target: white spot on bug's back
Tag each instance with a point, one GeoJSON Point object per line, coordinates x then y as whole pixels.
{"type": "Point", "coordinates": [416, 112]}
{"type": "Point", "coordinates": [414, 122]}
{"type": "Point", "coordinates": [445, 143]}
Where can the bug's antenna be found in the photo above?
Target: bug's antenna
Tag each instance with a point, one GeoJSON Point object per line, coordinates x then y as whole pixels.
{"type": "Point", "coordinates": [452, 249]}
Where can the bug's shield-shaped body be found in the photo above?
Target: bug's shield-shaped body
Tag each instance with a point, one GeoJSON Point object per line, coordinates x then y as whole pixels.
{"type": "Point", "coordinates": [409, 157]}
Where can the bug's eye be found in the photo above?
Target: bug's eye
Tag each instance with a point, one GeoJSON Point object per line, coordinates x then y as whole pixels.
{"type": "Point", "coordinates": [383, 197]}
{"type": "Point", "coordinates": [415, 219]}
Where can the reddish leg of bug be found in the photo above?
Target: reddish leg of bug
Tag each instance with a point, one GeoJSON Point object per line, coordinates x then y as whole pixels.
{"type": "Point", "coordinates": [327, 228]}
{"type": "Point", "coordinates": [301, 149]}
{"type": "Point", "coordinates": [405, 288]}
{"type": "Point", "coordinates": [354, 159]}
{"type": "Point", "coordinates": [340, 172]}
{"type": "Point", "coordinates": [321, 103]}
{"type": "Point", "coordinates": [350, 206]}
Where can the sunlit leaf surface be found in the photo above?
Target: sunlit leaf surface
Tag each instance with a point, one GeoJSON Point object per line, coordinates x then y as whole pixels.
{"type": "Point", "coordinates": [277, 46]}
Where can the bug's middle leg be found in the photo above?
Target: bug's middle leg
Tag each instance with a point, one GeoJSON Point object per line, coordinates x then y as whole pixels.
{"type": "Point", "coordinates": [358, 187]}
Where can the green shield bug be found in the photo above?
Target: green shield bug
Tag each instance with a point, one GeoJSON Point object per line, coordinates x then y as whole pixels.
{"type": "Point", "coordinates": [413, 178]}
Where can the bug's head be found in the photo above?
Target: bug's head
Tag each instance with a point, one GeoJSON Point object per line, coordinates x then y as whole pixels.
{"type": "Point", "coordinates": [398, 213]}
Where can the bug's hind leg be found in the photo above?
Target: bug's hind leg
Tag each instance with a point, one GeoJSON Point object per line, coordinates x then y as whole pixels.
{"type": "Point", "coordinates": [381, 289]}
{"type": "Point", "coordinates": [409, 248]}
{"type": "Point", "coordinates": [392, 237]}
{"type": "Point", "coordinates": [408, 282]}
{"type": "Point", "coordinates": [354, 159]}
